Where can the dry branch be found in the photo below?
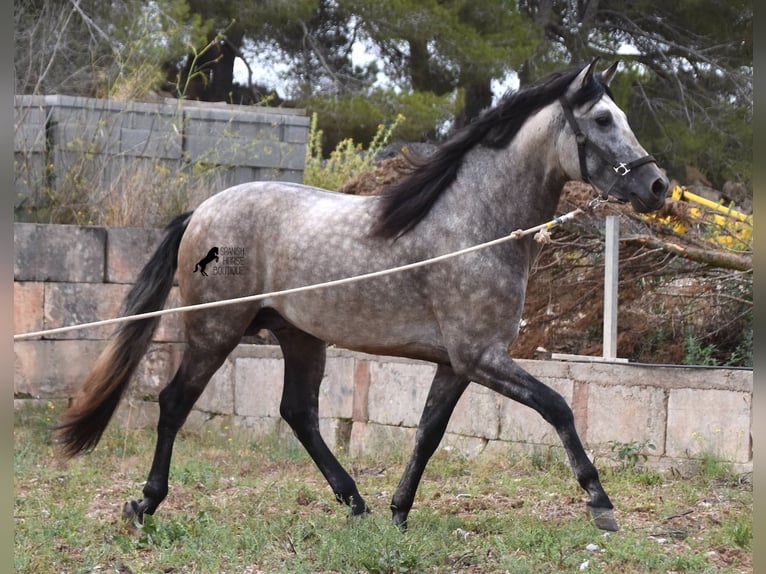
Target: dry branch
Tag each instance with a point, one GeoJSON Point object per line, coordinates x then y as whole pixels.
{"type": "Point", "coordinates": [713, 258]}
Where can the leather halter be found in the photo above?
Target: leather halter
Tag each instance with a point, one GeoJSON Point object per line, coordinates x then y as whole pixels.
{"type": "Point", "coordinates": [620, 168]}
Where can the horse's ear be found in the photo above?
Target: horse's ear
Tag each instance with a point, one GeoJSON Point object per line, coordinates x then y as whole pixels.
{"type": "Point", "coordinates": [589, 72]}
{"type": "Point", "coordinates": [583, 78]}
{"type": "Point", "coordinates": [608, 75]}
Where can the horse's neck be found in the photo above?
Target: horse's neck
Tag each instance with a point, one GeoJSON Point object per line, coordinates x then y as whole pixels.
{"type": "Point", "coordinates": [515, 186]}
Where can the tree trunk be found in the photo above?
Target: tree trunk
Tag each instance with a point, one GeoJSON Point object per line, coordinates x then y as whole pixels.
{"type": "Point", "coordinates": [478, 97]}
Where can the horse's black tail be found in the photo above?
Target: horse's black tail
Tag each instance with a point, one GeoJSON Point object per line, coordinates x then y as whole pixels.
{"type": "Point", "coordinates": [85, 420]}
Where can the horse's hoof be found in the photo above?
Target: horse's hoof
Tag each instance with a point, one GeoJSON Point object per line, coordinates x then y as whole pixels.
{"type": "Point", "coordinates": [132, 511]}
{"type": "Point", "coordinates": [604, 518]}
{"type": "Point", "coordinates": [400, 521]}
{"type": "Point", "coordinates": [360, 510]}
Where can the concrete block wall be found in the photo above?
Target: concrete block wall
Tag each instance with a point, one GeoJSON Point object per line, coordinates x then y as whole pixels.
{"type": "Point", "coordinates": [69, 274]}
{"type": "Point", "coordinates": [62, 138]}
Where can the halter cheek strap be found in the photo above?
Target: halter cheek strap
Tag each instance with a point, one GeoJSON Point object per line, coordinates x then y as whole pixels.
{"type": "Point", "coordinates": [620, 168]}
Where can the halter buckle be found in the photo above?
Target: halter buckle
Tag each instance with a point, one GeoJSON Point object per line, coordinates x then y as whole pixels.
{"type": "Point", "coordinates": [621, 169]}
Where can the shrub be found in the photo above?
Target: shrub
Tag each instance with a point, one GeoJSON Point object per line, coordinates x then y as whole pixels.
{"type": "Point", "coordinates": [347, 160]}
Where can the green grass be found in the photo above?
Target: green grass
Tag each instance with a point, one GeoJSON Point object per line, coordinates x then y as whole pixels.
{"type": "Point", "coordinates": [242, 507]}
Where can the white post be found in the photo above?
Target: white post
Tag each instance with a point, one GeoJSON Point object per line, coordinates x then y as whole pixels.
{"type": "Point", "coordinates": [611, 270]}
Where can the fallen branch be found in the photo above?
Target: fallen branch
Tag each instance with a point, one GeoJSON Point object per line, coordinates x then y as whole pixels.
{"type": "Point", "coordinates": [709, 257]}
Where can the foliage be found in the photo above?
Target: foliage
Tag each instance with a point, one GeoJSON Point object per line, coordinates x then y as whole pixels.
{"type": "Point", "coordinates": [687, 83]}
{"type": "Point", "coordinates": [698, 353]}
{"type": "Point", "coordinates": [631, 453]}
{"type": "Point", "coordinates": [354, 116]}
{"type": "Point", "coordinates": [691, 66]}
{"type": "Point", "coordinates": [99, 49]}
{"type": "Point", "coordinates": [347, 160]}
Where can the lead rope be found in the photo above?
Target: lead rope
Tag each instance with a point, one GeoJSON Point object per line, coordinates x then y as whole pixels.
{"type": "Point", "coordinates": [542, 235]}
{"type": "Point", "coordinates": [542, 231]}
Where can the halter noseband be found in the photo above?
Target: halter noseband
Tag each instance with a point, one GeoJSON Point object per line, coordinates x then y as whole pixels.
{"type": "Point", "coordinates": [621, 169]}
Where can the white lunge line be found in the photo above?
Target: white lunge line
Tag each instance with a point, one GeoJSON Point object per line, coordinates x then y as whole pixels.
{"type": "Point", "coordinates": [518, 234]}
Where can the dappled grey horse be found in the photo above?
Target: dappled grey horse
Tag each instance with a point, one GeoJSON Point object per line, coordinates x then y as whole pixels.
{"type": "Point", "coordinates": [502, 173]}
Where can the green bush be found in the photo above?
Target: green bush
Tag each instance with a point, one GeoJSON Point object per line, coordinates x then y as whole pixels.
{"type": "Point", "coordinates": [347, 160]}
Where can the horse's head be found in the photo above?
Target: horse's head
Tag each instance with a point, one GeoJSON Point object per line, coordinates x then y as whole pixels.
{"type": "Point", "coordinates": [598, 146]}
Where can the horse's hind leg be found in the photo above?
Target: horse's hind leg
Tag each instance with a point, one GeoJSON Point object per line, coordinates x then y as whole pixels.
{"type": "Point", "coordinates": [198, 365]}
{"type": "Point", "coordinates": [446, 390]}
{"type": "Point", "coordinates": [304, 358]}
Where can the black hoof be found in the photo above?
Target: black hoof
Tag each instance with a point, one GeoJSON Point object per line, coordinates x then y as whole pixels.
{"type": "Point", "coordinates": [132, 512]}
{"type": "Point", "coordinates": [400, 520]}
{"type": "Point", "coordinates": [604, 518]}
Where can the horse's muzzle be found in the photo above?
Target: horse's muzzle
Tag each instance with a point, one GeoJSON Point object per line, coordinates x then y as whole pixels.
{"type": "Point", "coordinates": [653, 199]}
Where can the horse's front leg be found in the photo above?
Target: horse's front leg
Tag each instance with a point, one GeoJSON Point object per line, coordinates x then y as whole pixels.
{"type": "Point", "coordinates": [496, 370]}
{"type": "Point", "coordinates": [446, 390]}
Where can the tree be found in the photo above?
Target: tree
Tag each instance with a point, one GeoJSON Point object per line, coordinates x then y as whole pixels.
{"type": "Point", "coordinates": [444, 48]}
{"type": "Point", "coordinates": [103, 49]}
{"type": "Point", "coordinates": [686, 81]}
{"type": "Point", "coordinates": [688, 89]}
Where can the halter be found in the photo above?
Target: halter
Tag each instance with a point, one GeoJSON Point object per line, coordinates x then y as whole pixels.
{"type": "Point", "coordinates": [621, 169]}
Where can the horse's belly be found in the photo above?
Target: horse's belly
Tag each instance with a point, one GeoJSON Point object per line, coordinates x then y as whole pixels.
{"type": "Point", "coordinates": [394, 325]}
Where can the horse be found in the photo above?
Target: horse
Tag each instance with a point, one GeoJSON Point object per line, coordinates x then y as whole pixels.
{"type": "Point", "coordinates": [211, 256]}
{"type": "Point", "coordinates": [504, 171]}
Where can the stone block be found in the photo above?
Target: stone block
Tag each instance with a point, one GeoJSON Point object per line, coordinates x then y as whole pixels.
{"type": "Point", "coordinates": [29, 122]}
{"type": "Point", "coordinates": [134, 413]}
{"type": "Point", "coordinates": [218, 396]}
{"type": "Point", "coordinates": [710, 421]}
{"type": "Point", "coordinates": [361, 410]}
{"type": "Point", "coordinates": [519, 423]}
{"type": "Point", "coordinates": [155, 370]}
{"type": "Point", "coordinates": [53, 369]}
{"type": "Point", "coordinates": [626, 414]}
{"type": "Point", "coordinates": [296, 133]}
{"type": "Point", "coordinates": [255, 428]}
{"type": "Point", "coordinates": [58, 253]}
{"type": "Point", "coordinates": [336, 433]}
{"type": "Point", "coordinates": [398, 392]}
{"type": "Point", "coordinates": [477, 414]}
{"type": "Point", "coordinates": [336, 395]}
{"type": "Point", "coordinates": [258, 386]}
{"type": "Point", "coordinates": [128, 249]}
{"type": "Point", "coordinates": [206, 425]}
{"type": "Point", "coordinates": [467, 446]}
{"type": "Point", "coordinates": [76, 303]}
{"type": "Point", "coordinates": [28, 301]}
{"type": "Point", "coordinates": [371, 439]}
{"type": "Point", "coordinates": [546, 370]}
{"type": "Point", "coordinates": [171, 328]}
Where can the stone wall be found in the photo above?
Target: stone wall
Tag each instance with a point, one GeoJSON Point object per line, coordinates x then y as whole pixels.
{"type": "Point", "coordinates": [66, 145]}
{"type": "Point", "coordinates": [69, 274]}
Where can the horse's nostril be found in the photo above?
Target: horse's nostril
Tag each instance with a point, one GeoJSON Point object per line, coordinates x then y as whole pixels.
{"type": "Point", "coordinates": [660, 186]}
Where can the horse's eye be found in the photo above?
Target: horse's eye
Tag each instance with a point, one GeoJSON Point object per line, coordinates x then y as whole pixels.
{"type": "Point", "coordinates": [604, 119]}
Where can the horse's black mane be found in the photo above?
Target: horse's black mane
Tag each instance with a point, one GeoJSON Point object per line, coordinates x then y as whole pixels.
{"type": "Point", "coordinates": [404, 203]}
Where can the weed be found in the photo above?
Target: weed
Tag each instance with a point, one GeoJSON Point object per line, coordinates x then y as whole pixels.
{"type": "Point", "coordinates": [741, 532]}
{"type": "Point", "coordinates": [631, 453]}
{"type": "Point", "coordinates": [712, 466]}
{"type": "Point", "coordinates": [698, 353]}
{"type": "Point", "coordinates": [347, 160]}
{"type": "Point", "coordinates": [155, 533]}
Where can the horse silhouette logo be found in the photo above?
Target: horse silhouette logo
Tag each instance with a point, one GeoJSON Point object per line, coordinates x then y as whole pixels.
{"type": "Point", "coordinates": [212, 255]}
